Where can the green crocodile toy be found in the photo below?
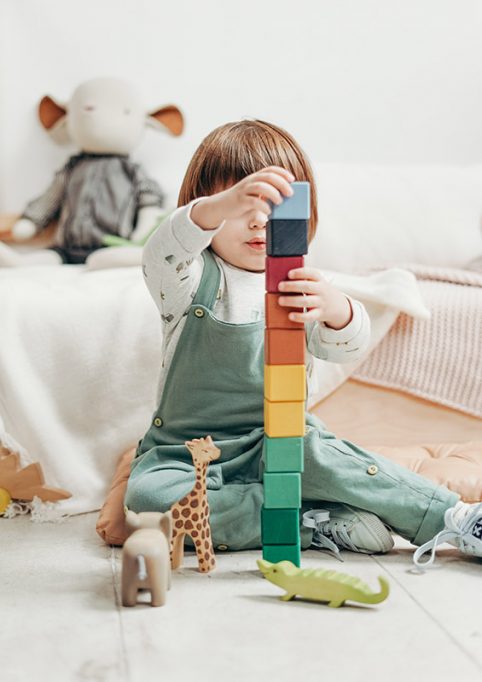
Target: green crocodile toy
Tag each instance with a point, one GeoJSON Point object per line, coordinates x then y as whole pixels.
{"type": "Point", "coordinates": [320, 584]}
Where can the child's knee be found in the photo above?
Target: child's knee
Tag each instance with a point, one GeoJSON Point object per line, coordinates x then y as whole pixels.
{"type": "Point", "coordinates": [157, 490]}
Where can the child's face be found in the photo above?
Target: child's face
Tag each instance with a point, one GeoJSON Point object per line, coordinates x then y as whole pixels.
{"type": "Point", "coordinates": [242, 242]}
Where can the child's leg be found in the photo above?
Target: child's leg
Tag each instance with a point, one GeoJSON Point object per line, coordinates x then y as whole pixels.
{"type": "Point", "coordinates": [234, 508]}
{"type": "Point", "coordinates": [339, 471]}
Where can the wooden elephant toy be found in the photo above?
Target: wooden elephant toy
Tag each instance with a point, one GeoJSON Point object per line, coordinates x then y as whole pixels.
{"type": "Point", "coordinates": [146, 557]}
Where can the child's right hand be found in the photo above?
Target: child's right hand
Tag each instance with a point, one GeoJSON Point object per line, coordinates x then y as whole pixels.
{"type": "Point", "coordinates": [249, 195]}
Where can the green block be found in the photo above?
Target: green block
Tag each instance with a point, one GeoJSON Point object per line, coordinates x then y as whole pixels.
{"type": "Point", "coordinates": [280, 526]}
{"type": "Point", "coordinates": [275, 553]}
{"type": "Point", "coordinates": [282, 491]}
{"type": "Point", "coordinates": [283, 454]}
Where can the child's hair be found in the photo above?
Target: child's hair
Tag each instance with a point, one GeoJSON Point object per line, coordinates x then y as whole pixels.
{"type": "Point", "coordinates": [234, 150]}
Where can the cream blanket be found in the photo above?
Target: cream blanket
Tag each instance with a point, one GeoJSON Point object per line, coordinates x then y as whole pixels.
{"type": "Point", "coordinates": [79, 358]}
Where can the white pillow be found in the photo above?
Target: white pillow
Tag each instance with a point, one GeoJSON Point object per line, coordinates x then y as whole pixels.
{"type": "Point", "coordinates": [372, 216]}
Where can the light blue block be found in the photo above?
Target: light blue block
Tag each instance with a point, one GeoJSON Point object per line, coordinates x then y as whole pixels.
{"type": "Point", "coordinates": [296, 207]}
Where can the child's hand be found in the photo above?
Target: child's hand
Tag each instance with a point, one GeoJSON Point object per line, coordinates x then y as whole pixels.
{"type": "Point", "coordinates": [324, 302]}
{"type": "Point", "coordinates": [249, 195]}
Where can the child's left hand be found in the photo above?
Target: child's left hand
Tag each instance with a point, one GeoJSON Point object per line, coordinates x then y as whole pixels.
{"type": "Point", "coordinates": [323, 302]}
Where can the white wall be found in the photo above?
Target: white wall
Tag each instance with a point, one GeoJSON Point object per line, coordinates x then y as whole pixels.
{"type": "Point", "coordinates": [354, 80]}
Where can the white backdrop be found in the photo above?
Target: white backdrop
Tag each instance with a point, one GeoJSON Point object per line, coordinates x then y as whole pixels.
{"type": "Point", "coordinates": [381, 81]}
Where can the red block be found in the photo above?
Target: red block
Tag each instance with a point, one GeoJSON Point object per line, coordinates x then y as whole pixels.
{"type": "Point", "coordinates": [284, 347]}
{"type": "Point", "coordinates": [277, 268]}
{"type": "Point", "coordinates": [276, 315]}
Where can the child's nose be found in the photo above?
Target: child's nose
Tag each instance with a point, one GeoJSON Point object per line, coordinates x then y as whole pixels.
{"type": "Point", "coordinates": [258, 220]}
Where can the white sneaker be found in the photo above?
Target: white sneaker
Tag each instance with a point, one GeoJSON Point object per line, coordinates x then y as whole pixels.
{"type": "Point", "coordinates": [341, 526]}
{"type": "Point", "coordinates": [463, 529]}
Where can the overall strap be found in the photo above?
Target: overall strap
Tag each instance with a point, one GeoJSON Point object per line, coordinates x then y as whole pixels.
{"type": "Point", "coordinates": [209, 285]}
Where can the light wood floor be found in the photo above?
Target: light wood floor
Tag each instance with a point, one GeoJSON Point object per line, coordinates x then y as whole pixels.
{"type": "Point", "coordinates": [61, 620]}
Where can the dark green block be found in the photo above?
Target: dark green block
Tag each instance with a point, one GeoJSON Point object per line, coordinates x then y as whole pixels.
{"type": "Point", "coordinates": [280, 526]}
{"type": "Point", "coordinates": [282, 491]}
{"type": "Point", "coordinates": [283, 454]}
{"type": "Point", "coordinates": [275, 553]}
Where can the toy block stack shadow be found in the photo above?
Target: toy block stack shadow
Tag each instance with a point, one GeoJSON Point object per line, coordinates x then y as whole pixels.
{"type": "Point", "coordinates": [284, 382]}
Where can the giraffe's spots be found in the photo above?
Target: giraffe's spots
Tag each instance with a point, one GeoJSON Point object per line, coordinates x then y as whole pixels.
{"type": "Point", "coordinates": [175, 514]}
{"type": "Point", "coordinates": [195, 517]}
{"type": "Point", "coordinates": [183, 502]}
{"type": "Point", "coordinates": [194, 503]}
{"type": "Point", "coordinates": [194, 534]}
{"type": "Point", "coordinates": [206, 544]}
{"type": "Point", "coordinates": [179, 523]}
{"type": "Point", "coordinates": [198, 526]}
{"type": "Point", "coordinates": [188, 525]}
{"type": "Point", "coordinates": [198, 485]}
{"type": "Point", "coordinates": [207, 556]}
{"type": "Point", "coordinates": [186, 513]}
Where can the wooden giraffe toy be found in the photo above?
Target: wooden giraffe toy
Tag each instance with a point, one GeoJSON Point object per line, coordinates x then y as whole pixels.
{"type": "Point", "coordinates": [190, 516]}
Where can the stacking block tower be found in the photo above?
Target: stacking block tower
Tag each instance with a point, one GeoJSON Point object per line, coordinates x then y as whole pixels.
{"type": "Point", "coordinates": [284, 382]}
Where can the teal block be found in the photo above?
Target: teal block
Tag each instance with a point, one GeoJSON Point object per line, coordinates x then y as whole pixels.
{"type": "Point", "coordinates": [275, 553]}
{"type": "Point", "coordinates": [280, 526]}
{"type": "Point", "coordinates": [296, 207]}
{"type": "Point", "coordinates": [283, 454]}
{"type": "Point", "coordinates": [282, 491]}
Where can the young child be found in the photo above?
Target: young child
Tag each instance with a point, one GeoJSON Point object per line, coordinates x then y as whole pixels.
{"type": "Point", "coordinates": [204, 268]}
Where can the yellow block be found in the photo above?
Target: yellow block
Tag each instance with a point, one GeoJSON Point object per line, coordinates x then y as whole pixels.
{"type": "Point", "coordinates": [284, 382]}
{"type": "Point", "coordinates": [284, 420]}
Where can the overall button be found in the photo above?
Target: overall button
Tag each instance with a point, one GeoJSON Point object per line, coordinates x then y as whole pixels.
{"type": "Point", "coordinates": [222, 548]}
{"type": "Point", "coordinates": [199, 312]}
{"type": "Point", "coordinates": [372, 470]}
{"type": "Point", "coordinates": [158, 421]}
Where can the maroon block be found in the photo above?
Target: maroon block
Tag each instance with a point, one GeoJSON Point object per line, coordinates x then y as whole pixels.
{"type": "Point", "coordinates": [277, 268]}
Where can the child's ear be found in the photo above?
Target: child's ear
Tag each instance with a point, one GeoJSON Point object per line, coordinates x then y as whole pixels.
{"type": "Point", "coordinates": [53, 117]}
{"type": "Point", "coordinates": [168, 117]}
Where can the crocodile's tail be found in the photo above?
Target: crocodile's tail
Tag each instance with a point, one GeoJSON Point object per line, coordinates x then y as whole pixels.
{"type": "Point", "coordinates": [377, 597]}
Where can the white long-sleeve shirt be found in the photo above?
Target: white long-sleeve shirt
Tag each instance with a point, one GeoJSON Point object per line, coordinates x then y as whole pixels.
{"type": "Point", "coordinates": [172, 268]}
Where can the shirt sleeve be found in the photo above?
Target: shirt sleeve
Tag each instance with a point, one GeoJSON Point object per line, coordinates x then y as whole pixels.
{"type": "Point", "coordinates": [340, 345]}
{"type": "Point", "coordinates": [45, 208]}
{"type": "Point", "coordinates": [172, 263]}
{"type": "Point", "coordinates": [148, 191]}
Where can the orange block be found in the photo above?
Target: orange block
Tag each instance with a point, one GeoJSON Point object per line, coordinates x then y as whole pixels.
{"type": "Point", "coordinates": [277, 315]}
{"type": "Point", "coordinates": [284, 346]}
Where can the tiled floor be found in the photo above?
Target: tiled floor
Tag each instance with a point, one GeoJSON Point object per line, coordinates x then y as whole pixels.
{"type": "Point", "coordinates": [60, 618]}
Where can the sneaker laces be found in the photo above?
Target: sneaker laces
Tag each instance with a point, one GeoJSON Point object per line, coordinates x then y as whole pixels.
{"type": "Point", "coordinates": [459, 522]}
{"type": "Point", "coordinates": [324, 529]}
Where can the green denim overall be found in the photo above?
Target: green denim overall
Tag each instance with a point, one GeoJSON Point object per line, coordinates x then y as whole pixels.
{"type": "Point", "coordinates": [215, 387]}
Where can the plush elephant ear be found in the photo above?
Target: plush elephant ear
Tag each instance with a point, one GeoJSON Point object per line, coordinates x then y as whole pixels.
{"type": "Point", "coordinates": [168, 117]}
{"type": "Point", "coordinates": [53, 117]}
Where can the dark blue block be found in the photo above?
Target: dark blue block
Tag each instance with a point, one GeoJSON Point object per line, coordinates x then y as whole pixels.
{"type": "Point", "coordinates": [287, 238]}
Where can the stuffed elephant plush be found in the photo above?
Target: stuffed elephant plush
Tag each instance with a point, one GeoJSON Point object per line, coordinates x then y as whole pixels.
{"type": "Point", "coordinates": [99, 192]}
